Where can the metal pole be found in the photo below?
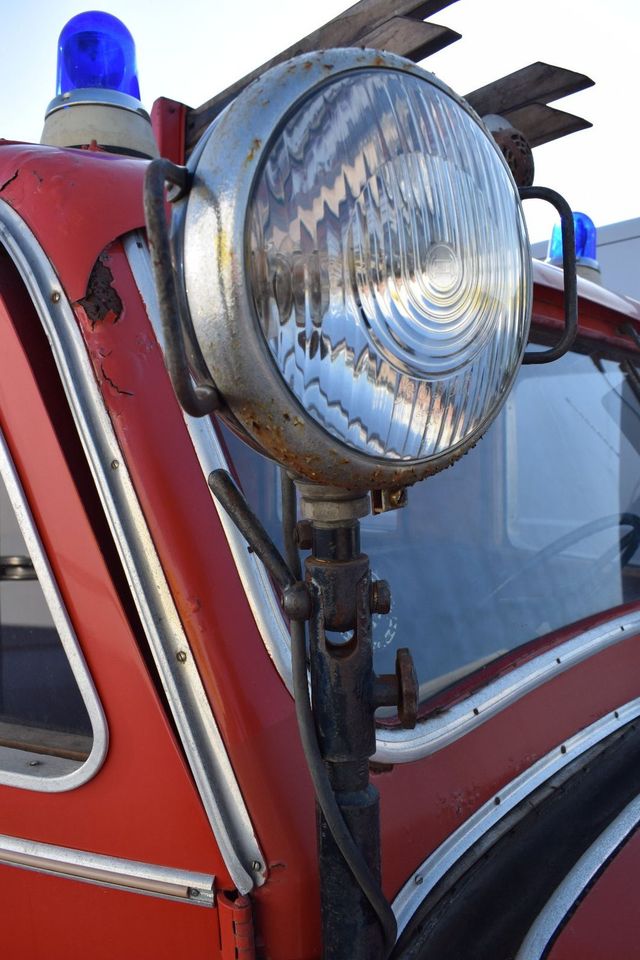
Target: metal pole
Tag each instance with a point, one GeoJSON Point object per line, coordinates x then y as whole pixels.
{"type": "Point", "coordinates": [342, 684]}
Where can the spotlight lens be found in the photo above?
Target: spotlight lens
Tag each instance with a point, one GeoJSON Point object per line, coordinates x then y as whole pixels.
{"type": "Point", "coordinates": [389, 265]}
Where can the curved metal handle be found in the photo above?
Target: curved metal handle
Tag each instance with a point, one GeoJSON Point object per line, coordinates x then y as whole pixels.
{"type": "Point", "coordinates": [570, 278]}
{"type": "Point", "coordinates": [201, 398]}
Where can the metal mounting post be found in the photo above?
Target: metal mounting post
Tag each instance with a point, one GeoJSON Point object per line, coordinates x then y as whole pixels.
{"type": "Point", "coordinates": [345, 694]}
{"type": "Point", "coordinates": [338, 598]}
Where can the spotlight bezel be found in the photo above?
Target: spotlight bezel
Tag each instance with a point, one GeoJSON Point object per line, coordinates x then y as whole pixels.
{"type": "Point", "coordinates": [215, 285]}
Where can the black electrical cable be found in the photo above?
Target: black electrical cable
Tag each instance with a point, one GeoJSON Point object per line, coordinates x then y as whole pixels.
{"type": "Point", "coordinates": [254, 533]}
{"type": "Point", "coordinates": [324, 793]}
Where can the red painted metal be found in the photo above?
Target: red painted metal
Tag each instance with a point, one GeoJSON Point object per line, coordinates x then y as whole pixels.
{"type": "Point", "coordinates": [75, 201]}
{"type": "Point", "coordinates": [47, 918]}
{"type": "Point", "coordinates": [168, 119]}
{"type": "Point", "coordinates": [236, 928]}
{"type": "Point", "coordinates": [605, 923]}
{"type": "Point", "coordinates": [421, 802]}
{"type": "Point", "coordinates": [142, 804]}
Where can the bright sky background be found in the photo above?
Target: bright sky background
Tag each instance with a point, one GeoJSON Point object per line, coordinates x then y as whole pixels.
{"type": "Point", "coordinates": [191, 49]}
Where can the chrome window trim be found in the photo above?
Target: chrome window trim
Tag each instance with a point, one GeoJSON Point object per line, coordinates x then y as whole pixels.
{"type": "Point", "coordinates": [34, 771]}
{"type": "Point", "coordinates": [253, 575]}
{"type": "Point", "coordinates": [394, 745]}
{"type": "Point", "coordinates": [563, 899]}
{"type": "Point", "coordinates": [437, 864]}
{"type": "Point", "coordinates": [133, 876]}
{"type": "Point", "coordinates": [198, 730]}
{"type": "Point", "coordinates": [399, 746]}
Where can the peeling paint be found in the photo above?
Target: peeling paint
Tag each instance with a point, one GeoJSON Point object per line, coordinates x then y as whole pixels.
{"type": "Point", "coordinates": [10, 180]}
{"type": "Point", "coordinates": [107, 378]}
{"type": "Point", "coordinates": [102, 302]}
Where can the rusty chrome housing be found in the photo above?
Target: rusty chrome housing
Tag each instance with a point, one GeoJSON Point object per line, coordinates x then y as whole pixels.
{"type": "Point", "coordinates": [210, 232]}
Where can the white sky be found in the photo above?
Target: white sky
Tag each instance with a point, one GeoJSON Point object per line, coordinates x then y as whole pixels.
{"type": "Point", "coordinates": [191, 49]}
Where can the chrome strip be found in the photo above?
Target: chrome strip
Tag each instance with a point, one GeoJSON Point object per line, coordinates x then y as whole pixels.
{"type": "Point", "coordinates": [579, 877]}
{"type": "Point", "coordinates": [131, 875]}
{"type": "Point", "coordinates": [401, 746]}
{"type": "Point", "coordinates": [199, 733]}
{"type": "Point", "coordinates": [32, 770]}
{"type": "Point", "coordinates": [394, 745]}
{"type": "Point", "coordinates": [431, 871]}
{"type": "Point", "coordinates": [255, 579]}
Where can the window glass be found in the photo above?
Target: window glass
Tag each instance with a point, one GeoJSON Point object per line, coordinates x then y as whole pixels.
{"type": "Point", "coordinates": [41, 708]}
{"type": "Point", "coordinates": [534, 529]}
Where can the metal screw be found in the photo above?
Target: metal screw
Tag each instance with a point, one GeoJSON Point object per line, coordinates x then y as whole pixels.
{"type": "Point", "coordinates": [418, 879]}
{"type": "Point", "coordinates": [34, 763]}
{"type": "Point", "coordinates": [256, 866]}
{"type": "Point", "coordinates": [181, 656]}
{"type": "Point", "coordinates": [115, 464]}
{"type": "Point", "coordinates": [55, 296]}
{"type": "Point", "coordinates": [193, 893]}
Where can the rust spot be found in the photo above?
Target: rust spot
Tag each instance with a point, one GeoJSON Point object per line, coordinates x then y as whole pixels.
{"type": "Point", "coordinates": [328, 66]}
{"type": "Point", "coordinates": [102, 301]}
{"type": "Point", "coordinates": [307, 65]}
{"type": "Point", "coordinates": [255, 146]}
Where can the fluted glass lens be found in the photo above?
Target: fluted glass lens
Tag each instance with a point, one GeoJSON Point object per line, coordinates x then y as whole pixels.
{"type": "Point", "coordinates": [389, 265]}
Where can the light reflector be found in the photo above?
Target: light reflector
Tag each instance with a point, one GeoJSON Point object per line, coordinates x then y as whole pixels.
{"type": "Point", "coordinates": [389, 265]}
{"type": "Point", "coordinates": [356, 268]}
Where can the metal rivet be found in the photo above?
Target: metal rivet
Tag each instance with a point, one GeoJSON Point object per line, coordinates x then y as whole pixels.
{"type": "Point", "coordinates": [115, 464]}
{"type": "Point", "coordinates": [256, 865]}
{"type": "Point", "coordinates": [616, 715]}
{"type": "Point", "coordinates": [34, 763]}
{"type": "Point", "coordinates": [181, 656]}
{"type": "Point", "coordinates": [55, 296]}
{"type": "Point", "coordinates": [476, 711]}
{"type": "Point", "coordinates": [558, 660]}
{"type": "Point", "coordinates": [563, 749]}
{"type": "Point", "coordinates": [418, 879]}
{"type": "Point", "coordinates": [496, 800]}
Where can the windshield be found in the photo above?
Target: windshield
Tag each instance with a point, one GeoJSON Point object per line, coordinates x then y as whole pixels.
{"type": "Point", "coordinates": [534, 529]}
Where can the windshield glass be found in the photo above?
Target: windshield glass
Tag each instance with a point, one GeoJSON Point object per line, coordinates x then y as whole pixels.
{"type": "Point", "coordinates": [535, 528]}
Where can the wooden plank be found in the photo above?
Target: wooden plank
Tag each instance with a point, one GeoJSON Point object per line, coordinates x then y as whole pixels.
{"type": "Point", "coordinates": [345, 30]}
{"type": "Point", "coordinates": [409, 38]}
{"type": "Point", "coordinates": [537, 83]}
{"type": "Point", "coordinates": [541, 124]}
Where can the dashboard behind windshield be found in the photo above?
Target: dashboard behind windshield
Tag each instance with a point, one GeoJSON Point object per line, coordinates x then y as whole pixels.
{"type": "Point", "coordinates": [534, 529]}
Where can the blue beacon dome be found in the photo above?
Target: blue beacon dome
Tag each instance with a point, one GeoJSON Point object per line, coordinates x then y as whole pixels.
{"type": "Point", "coordinates": [586, 240]}
{"type": "Point", "coordinates": [95, 50]}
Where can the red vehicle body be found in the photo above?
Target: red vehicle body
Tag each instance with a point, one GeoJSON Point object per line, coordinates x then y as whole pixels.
{"type": "Point", "coordinates": [193, 833]}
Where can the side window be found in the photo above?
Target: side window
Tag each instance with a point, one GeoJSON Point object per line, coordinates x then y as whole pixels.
{"type": "Point", "coordinates": [50, 720]}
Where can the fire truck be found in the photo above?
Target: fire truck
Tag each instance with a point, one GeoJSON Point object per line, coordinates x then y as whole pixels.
{"type": "Point", "coordinates": [274, 683]}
